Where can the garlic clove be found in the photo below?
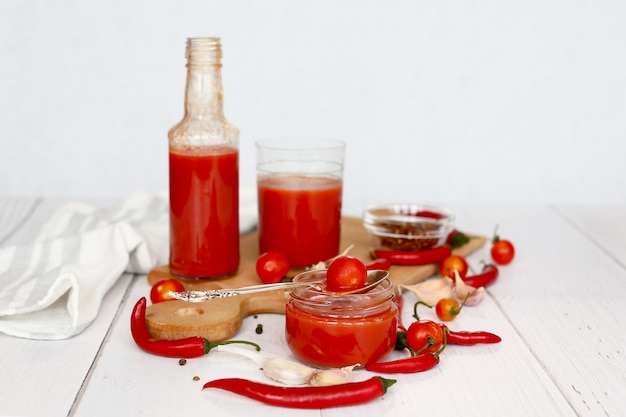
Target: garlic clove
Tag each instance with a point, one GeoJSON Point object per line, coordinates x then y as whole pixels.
{"type": "Point", "coordinates": [431, 290]}
{"type": "Point", "coordinates": [287, 372]}
{"type": "Point", "coordinates": [326, 377]}
{"type": "Point", "coordinates": [476, 295]}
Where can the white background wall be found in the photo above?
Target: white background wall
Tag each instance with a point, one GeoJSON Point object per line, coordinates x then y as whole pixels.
{"type": "Point", "coordinates": [480, 100]}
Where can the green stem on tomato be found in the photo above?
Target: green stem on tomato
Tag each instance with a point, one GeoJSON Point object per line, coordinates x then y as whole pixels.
{"type": "Point", "coordinates": [444, 344]}
{"type": "Point", "coordinates": [462, 304]}
{"type": "Point", "coordinates": [417, 317]}
{"type": "Point", "coordinates": [430, 342]}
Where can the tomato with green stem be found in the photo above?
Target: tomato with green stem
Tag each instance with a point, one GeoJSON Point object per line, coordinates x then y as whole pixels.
{"type": "Point", "coordinates": [448, 308]}
{"type": "Point", "coordinates": [424, 336]}
{"type": "Point", "coordinates": [272, 267]}
{"type": "Point", "coordinates": [502, 251]}
{"type": "Point", "coordinates": [453, 263]}
{"type": "Point", "coordinates": [160, 291]}
{"type": "Point", "coordinates": [346, 273]}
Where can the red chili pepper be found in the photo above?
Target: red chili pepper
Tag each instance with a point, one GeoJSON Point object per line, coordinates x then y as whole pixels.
{"type": "Point", "coordinates": [486, 277]}
{"type": "Point", "coordinates": [306, 397]}
{"type": "Point", "coordinates": [189, 347]}
{"type": "Point", "coordinates": [422, 257]}
{"type": "Point", "coordinates": [399, 301]}
{"type": "Point", "coordinates": [466, 338]}
{"type": "Point", "coordinates": [379, 263]}
{"type": "Point", "coordinates": [420, 363]}
{"type": "Point", "coordinates": [429, 214]}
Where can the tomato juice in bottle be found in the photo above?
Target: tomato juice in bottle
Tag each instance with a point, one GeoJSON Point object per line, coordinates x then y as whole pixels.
{"type": "Point", "coordinates": [204, 173]}
{"type": "Point", "coordinates": [204, 229]}
{"type": "Point", "coordinates": [300, 216]}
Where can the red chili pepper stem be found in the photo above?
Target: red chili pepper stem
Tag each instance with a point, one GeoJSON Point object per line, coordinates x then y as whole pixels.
{"type": "Point", "coordinates": [210, 345]}
{"type": "Point", "coordinates": [386, 383]}
{"type": "Point", "coordinates": [495, 234]}
{"type": "Point", "coordinates": [417, 303]}
{"type": "Point", "coordinates": [401, 343]}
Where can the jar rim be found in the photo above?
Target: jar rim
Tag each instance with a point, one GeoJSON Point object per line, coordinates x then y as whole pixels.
{"type": "Point", "coordinates": [316, 300]}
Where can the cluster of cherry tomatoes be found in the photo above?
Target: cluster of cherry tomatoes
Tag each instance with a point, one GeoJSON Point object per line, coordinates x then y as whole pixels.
{"type": "Point", "coordinates": [344, 273]}
{"type": "Point", "coordinates": [347, 273]}
{"type": "Point", "coordinates": [502, 252]}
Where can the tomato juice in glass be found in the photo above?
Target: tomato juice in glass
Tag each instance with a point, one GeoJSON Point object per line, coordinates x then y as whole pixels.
{"type": "Point", "coordinates": [335, 330]}
{"type": "Point", "coordinates": [204, 220]}
{"type": "Point", "coordinates": [300, 216]}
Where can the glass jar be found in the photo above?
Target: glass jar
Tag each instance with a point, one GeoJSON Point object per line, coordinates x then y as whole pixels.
{"type": "Point", "coordinates": [204, 173]}
{"type": "Point", "coordinates": [334, 330]}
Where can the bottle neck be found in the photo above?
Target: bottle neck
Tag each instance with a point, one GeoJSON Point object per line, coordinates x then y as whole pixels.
{"type": "Point", "coordinates": [203, 92]}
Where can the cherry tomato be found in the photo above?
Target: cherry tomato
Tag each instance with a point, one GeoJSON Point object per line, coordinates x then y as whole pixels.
{"type": "Point", "coordinates": [424, 334]}
{"type": "Point", "coordinates": [346, 273]}
{"type": "Point", "coordinates": [447, 309]}
{"type": "Point", "coordinates": [160, 290]}
{"type": "Point", "coordinates": [502, 251]}
{"type": "Point", "coordinates": [453, 263]}
{"type": "Point", "coordinates": [272, 267]}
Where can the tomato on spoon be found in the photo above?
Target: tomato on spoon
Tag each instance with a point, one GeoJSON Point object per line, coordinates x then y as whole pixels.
{"type": "Point", "coordinates": [346, 273]}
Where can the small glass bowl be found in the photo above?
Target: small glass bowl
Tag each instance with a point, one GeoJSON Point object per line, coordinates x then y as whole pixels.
{"type": "Point", "coordinates": [407, 227]}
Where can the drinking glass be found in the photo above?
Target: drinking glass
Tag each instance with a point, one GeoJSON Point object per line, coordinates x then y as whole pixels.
{"type": "Point", "coordinates": [300, 184]}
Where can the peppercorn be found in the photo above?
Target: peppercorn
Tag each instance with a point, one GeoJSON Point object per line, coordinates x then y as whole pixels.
{"type": "Point", "coordinates": [182, 361]}
{"type": "Point", "coordinates": [259, 328]}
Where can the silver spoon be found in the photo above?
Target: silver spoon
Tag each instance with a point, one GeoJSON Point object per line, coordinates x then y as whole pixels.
{"type": "Point", "coordinates": [374, 278]}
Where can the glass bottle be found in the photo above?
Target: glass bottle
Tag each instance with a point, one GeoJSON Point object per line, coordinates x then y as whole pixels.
{"type": "Point", "coordinates": [204, 173]}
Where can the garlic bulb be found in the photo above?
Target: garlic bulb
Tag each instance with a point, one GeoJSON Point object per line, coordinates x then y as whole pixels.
{"type": "Point", "coordinates": [290, 372]}
{"type": "Point", "coordinates": [277, 369]}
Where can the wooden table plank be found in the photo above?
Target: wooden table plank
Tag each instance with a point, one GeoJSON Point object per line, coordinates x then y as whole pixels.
{"type": "Point", "coordinates": [44, 378]}
{"type": "Point", "coordinates": [604, 225]}
{"type": "Point", "coordinates": [564, 296]}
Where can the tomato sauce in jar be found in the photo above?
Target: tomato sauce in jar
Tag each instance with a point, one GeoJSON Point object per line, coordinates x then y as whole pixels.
{"type": "Point", "coordinates": [334, 330]}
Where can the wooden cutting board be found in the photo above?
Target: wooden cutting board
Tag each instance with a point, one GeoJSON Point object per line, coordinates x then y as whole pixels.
{"type": "Point", "coordinates": [220, 319]}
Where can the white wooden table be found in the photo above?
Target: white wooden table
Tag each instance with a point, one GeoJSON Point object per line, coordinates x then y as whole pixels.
{"type": "Point", "coordinates": [559, 308]}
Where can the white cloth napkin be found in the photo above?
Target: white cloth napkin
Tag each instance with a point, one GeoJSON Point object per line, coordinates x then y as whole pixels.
{"type": "Point", "coordinates": [53, 288]}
